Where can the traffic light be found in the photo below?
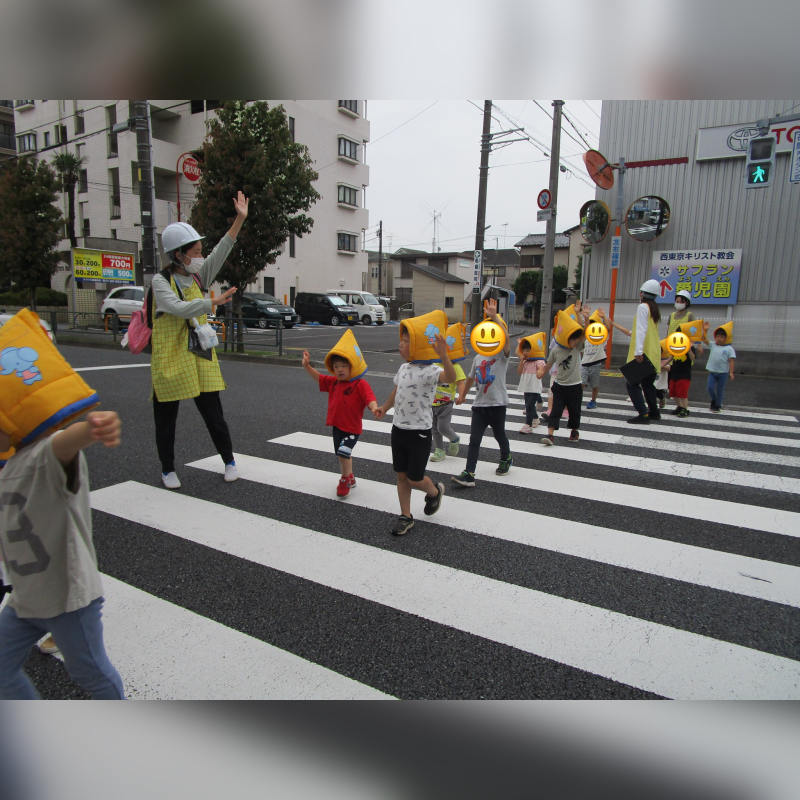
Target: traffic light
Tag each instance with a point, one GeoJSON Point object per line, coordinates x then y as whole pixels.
{"type": "Point", "coordinates": [760, 162]}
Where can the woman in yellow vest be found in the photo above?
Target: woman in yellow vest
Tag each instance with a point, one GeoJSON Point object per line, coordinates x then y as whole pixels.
{"type": "Point", "coordinates": [646, 344]}
{"type": "Point", "coordinates": [179, 374]}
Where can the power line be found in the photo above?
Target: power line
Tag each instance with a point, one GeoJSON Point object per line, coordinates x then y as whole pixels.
{"type": "Point", "coordinates": [592, 110]}
{"type": "Point", "coordinates": [588, 146]}
{"type": "Point", "coordinates": [562, 128]}
{"type": "Point", "coordinates": [405, 123]}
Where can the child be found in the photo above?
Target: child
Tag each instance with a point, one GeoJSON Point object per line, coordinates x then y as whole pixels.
{"type": "Point", "coordinates": [680, 378]}
{"type": "Point", "coordinates": [721, 358]}
{"type": "Point", "coordinates": [443, 413]}
{"type": "Point", "coordinates": [489, 406]}
{"type": "Point", "coordinates": [412, 398]}
{"type": "Point", "coordinates": [347, 399]}
{"type": "Point", "coordinates": [567, 388]}
{"type": "Point", "coordinates": [46, 538]}
{"type": "Point", "coordinates": [530, 384]}
{"type": "Point", "coordinates": [662, 384]}
{"type": "Point", "coordinates": [593, 358]}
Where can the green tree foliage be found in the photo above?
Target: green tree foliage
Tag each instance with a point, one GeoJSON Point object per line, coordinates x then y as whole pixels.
{"type": "Point", "coordinates": [68, 168]}
{"type": "Point", "coordinates": [529, 281]}
{"type": "Point", "coordinates": [576, 287]}
{"type": "Point", "coordinates": [560, 276]}
{"type": "Point", "coordinates": [30, 224]}
{"type": "Point", "coordinates": [249, 148]}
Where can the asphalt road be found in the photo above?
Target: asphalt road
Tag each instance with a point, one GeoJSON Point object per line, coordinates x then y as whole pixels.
{"type": "Point", "coordinates": [651, 562]}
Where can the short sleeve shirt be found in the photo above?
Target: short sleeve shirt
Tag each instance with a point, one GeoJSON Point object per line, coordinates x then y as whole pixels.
{"type": "Point", "coordinates": [568, 364]}
{"type": "Point", "coordinates": [446, 391]}
{"type": "Point", "coordinates": [346, 402]}
{"type": "Point", "coordinates": [413, 404]}
{"type": "Point", "coordinates": [718, 357]}
{"type": "Point", "coordinates": [489, 373]}
{"type": "Point", "coordinates": [46, 533]}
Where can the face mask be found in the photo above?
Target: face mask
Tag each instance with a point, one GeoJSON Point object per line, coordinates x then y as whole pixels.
{"type": "Point", "coordinates": [194, 265]}
{"type": "Point", "coordinates": [680, 306]}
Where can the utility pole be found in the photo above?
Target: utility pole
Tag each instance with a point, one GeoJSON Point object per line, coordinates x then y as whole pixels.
{"type": "Point", "coordinates": [146, 201]}
{"type": "Point", "coordinates": [486, 146]}
{"type": "Point", "coordinates": [546, 304]}
{"type": "Point", "coordinates": [380, 257]}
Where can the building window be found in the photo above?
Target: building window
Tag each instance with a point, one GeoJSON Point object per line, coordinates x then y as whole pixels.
{"type": "Point", "coordinates": [47, 138]}
{"type": "Point", "coordinates": [113, 233]}
{"type": "Point", "coordinates": [115, 200]}
{"type": "Point", "coordinates": [537, 261]}
{"type": "Point", "coordinates": [6, 104]}
{"type": "Point", "coordinates": [374, 271]}
{"type": "Point", "coordinates": [348, 195]}
{"type": "Point", "coordinates": [80, 151]}
{"type": "Point", "coordinates": [349, 105]}
{"type": "Point", "coordinates": [26, 143]}
{"type": "Point", "coordinates": [23, 103]}
{"type": "Point", "coordinates": [87, 228]}
{"type": "Point", "coordinates": [80, 124]}
{"type": "Point", "coordinates": [7, 136]}
{"type": "Point", "coordinates": [291, 246]}
{"type": "Point", "coordinates": [449, 302]}
{"type": "Point", "coordinates": [348, 242]}
{"type": "Point", "coordinates": [348, 148]}
{"type": "Point", "coordinates": [111, 121]}
{"type": "Point", "coordinates": [83, 181]}
{"type": "Point", "coordinates": [291, 127]}
{"type": "Point", "coordinates": [406, 272]}
{"type": "Point", "coordinates": [61, 134]}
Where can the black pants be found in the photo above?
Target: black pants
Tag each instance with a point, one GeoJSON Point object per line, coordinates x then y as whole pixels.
{"type": "Point", "coordinates": [166, 416]}
{"type": "Point", "coordinates": [484, 417]}
{"type": "Point", "coordinates": [643, 395]}
{"type": "Point", "coordinates": [531, 399]}
{"type": "Point", "coordinates": [569, 397]}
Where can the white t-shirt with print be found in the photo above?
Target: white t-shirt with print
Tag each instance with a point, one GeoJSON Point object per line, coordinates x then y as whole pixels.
{"type": "Point", "coordinates": [416, 387]}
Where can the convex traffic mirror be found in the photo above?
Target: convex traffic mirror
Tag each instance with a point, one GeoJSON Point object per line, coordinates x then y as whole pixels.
{"type": "Point", "coordinates": [647, 218]}
{"type": "Point", "coordinates": [595, 221]}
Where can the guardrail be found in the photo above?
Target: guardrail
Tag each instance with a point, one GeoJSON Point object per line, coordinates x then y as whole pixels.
{"type": "Point", "coordinates": [253, 337]}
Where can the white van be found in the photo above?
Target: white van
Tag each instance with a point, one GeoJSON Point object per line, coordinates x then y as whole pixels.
{"type": "Point", "coordinates": [367, 305]}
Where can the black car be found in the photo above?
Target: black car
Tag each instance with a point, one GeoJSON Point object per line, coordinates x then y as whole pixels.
{"type": "Point", "coordinates": [264, 311]}
{"type": "Point", "coordinates": [328, 308]}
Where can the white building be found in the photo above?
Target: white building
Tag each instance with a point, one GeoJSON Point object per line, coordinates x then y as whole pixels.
{"type": "Point", "coordinates": [107, 202]}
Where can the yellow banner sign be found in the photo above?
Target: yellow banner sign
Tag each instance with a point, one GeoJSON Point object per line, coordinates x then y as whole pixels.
{"type": "Point", "coordinates": [99, 265]}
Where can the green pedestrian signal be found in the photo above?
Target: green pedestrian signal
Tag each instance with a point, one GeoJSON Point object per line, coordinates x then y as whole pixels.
{"type": "Point", "coordinates": [759, 173]}
{"type": "Point", "coordinates": [760, 162]}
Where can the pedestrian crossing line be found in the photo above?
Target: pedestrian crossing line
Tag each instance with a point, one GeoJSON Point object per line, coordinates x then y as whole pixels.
{"type": "Point", "coordinates": [777, 583]}
{"type": "Point", "coordinates": [166, 652]}
{"type": "Point", "coordinates": [652, 657]}
{"type": "Point", "coordinates": [739, 515]}
{"type": "Point", "coordinates": [674, 469]}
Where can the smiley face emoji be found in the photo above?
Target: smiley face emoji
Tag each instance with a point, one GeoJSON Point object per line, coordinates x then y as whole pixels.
{"type": "Point", "coordinates": [488, 338]}
{"type": "Point", "coordinates": [596, 333]}
{"type": "Point", "coordinates": [678, 344]}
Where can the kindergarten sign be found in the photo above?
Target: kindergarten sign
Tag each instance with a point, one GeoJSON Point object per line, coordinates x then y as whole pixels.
{"type": "Point", "coordinates": [711, 276]}
{"type": "Point", "coordinates": [97, 265]}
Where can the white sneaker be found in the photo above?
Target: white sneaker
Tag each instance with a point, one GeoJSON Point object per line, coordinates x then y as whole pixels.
{"type": "Point", "coordinates": [525, 429]}
{"type": "Point", "coordinates": [231, 474]}
{"type": "Point", "coordinates": [170, 480]}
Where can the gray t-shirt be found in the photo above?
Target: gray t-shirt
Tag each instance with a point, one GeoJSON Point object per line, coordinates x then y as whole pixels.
{"type": "Point", "coordinates": [489, 373]}
{"type": "Point", "coordinates": [46, 533]}
{"type": "Point", "coordinates": [416, 387]}
{"type": "Point", "coordinates": [568, 361]}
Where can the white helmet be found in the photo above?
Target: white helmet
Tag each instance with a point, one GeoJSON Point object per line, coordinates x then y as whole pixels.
{"type": "Point", "coordinates": [177, 235]}
{"type": "Point", "coordinates": [683, 293]}
{"type": "Point", "coordinates": [650, 287]}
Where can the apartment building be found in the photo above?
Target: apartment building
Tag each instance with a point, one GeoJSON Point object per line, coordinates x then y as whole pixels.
{"type": "Point", "coordinates": [8, 145]}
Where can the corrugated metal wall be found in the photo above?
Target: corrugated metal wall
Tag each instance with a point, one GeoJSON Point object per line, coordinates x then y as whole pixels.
{"type": "Point", "coordinates": [709, 204]}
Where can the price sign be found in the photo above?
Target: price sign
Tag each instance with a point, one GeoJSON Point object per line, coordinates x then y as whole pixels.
{"type": "Point", "coordinates": [105, 267]}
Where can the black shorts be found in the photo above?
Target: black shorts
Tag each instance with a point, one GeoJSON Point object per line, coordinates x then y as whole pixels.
{"type": "Point", "coordinates": [344, 442]}
{"type": "Point", "coordinates": [410, 451]}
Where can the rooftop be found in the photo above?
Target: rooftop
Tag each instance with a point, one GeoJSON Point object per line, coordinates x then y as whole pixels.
{"type": "Point", "coordinates": [537, 240]}
{"type": "Point", "coordinates": [439, 274]}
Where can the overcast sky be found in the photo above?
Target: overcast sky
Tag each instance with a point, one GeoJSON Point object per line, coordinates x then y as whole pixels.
{"type": "Point", "coordinates": [432, 163]}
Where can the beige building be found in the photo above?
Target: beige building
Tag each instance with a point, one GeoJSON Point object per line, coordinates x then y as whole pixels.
{"type": "Point", "coordinates": [436, 289]}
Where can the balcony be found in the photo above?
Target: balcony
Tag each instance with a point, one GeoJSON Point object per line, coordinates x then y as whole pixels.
{"type": "Point", "coordinates": [23, 104]}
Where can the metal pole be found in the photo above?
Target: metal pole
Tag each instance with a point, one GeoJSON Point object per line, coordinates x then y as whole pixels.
{"type": "Point", "coordinates": [380, 256]}
{"type": "Point", "coordinates": [74, 301]}
{"type": "Point", "coordinates": [178, 184]}
{"type": "Point", "coordinates": [612, 301]}
{"type": "Point", "coordinates": [149, 253]}
{"type": "Point", "coordinates": [550, 235]}
{"type": "Point", "coordinates": [486, 146]}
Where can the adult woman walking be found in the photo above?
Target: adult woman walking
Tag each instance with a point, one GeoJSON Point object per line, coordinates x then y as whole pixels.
{"type": "Point", "coordinates": [178, 374]}
{"type": "Point", "coordinates": [645, 344]}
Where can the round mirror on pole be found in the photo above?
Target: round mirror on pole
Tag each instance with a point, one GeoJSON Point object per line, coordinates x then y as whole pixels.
{"type": "Point", "coordinates": [595, 221]}
{"type": "Point", "coordinates": [647, 218]}
{"type": "Point", "coordinates": [600, 171]}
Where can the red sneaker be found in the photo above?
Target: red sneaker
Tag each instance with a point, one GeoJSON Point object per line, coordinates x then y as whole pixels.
{"type": "Point", "coordinates": [343, 489]}
{"type": "Point", "coordinates": [352, 481]}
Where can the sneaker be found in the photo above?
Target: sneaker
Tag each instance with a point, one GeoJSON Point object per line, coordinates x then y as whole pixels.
{"type": "Point", "coordinates": [535, 423]}
{"type": "Point", "coordinates": [48, 646]}
{"type": "Point", "coordinates": [655, 415]}
{"type": "Point", "coordinates": [717, 409]}
{"type": "Point", "coordinates": [504, 466]}
{"type": "Point", "coordinates": [640, 420]}
{"type": "Point", "coordinates": [231, 474]}
{"type": "Point", "coordinates": [352, 481]}
{"type": "Point", "coordinates": [683, 413]}
{"type": "Point", "coordinates": [438, 455]}
{"type": "Point", "coordinates": [432, 503]}
{"type": "Point", "coordinates": [662, 403]}
{"type": "Point", "coordinates": [403, 525]}
{"type": "Point", "coordinates": [464, 479]}
{"type": "Point", "coordinates": [343, 488]}
{"type": "Point", "coordinates": [548, 440]}
{"type": "Point", "coordinates": [170, 480]}
{"type": "Point", "coordinates": [675, 411]}
{"type": "Point", "coordinates": [544, 418]}
{"type": "Point", "coordinates": [452, 448]}
{"type": "Point", "coordinates": [574, 437]}
{"type": "Point", "coordinates": [712, 407]}
{"type": "Point", "coordinates": [591, 404]}
{"type": "Point", "coordinates": [525, 429]}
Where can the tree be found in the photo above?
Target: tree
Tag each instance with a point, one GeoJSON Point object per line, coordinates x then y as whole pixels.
{"type": "Point", "coordinates": [560, 277]}
{"type": "Point", "coordinates": [30, 225]}
{"type": "Point", "coordinates": [250, 148]}
{"type": "Point", "coordinates": [68, 169]}
{"type": "Point", "coordinates": [529, 281]}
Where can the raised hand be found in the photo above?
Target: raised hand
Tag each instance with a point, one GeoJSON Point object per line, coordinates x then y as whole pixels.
{"type": "Point", "coordinates": [105, 427]}
{"type": "Point", "coordinates": [242, 205]}
{"type": "Point", "coordinates": [440, 346]}
{"type": "Point", "coordinates": [306, 358]}
{"type": "Point", "coordinates": [223, 298]}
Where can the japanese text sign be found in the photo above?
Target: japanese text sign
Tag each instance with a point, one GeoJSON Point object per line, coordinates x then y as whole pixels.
{"type": "Point", "coordinates": [711, 276]}
{"type": "Point", "coordinates": [476, 272]}
{"type": "Point", "coordinates": [616, 247]}
{"type": "Point", "coordinates": [96, 265]}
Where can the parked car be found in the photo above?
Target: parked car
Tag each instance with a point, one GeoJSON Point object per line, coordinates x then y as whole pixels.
{"type": "Point", "coordinates": [264, 311]}
{"type": "Point", "coordinates": [329, 308]}
{"type": "Point", "coordinates": [366, 304]}
{"type": "Point", "coordinates": [46, 325]}
{"type": "Point", "coordinates": [123, 301]}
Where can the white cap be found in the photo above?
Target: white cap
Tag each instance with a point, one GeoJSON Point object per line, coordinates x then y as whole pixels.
{"type": "Point", "coordinates": [684, 293]}
{"type": "Point", "coordinates": [650, 287]}
{"type": "Point", "coordinates": [177, 235]}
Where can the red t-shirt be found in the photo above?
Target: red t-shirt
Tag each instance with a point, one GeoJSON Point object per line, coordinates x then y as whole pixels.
{"type": "Point", "coordinates": [346, 402]}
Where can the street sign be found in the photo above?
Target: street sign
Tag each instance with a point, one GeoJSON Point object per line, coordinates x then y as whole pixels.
{"type": "Point", "coordinates": [760, 162]}
{"type": "Point", "coordinates": [103, 266]}
{"type": "Point", "coordinates": [710, 275]}
{"type": "Point", "coordinates": [543, 216]}
{"type": "Point", "coordinates": [616, 247]}
{"type": "Point", "coordinates": [476, 272]}
{"type": "Point", "coordinates": [544, 198]}
{"type": "Point", "coordinates": [191, 169]}
{"type": "Point", "coordinates": [794, 166]}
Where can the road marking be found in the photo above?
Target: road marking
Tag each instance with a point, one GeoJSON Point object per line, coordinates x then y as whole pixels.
{"type": "Point", "coordinates": [674, 469]}
{"type": "Point", "coordinates": [114, 366]}
{"type": "Point", "coordinates": [777, 583]}
{"type": "Point", "coordinates": [771, 520]}
{"type": "Point", "coordinates": [166, 652]}
{"type": "Point", "coordinates": [652, 657]}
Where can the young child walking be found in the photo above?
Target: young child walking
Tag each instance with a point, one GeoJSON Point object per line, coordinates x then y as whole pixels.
{"type": "Point", "coordinates": [489, 406]}
{"type": "Point", "coordinates": [567, 386]}
{"type": "Point", "coordinates": [443, 413]}
{"type": "Point", "coordinates": [680, 379]}
{"type": "Point", "coordinates": [721, 358]}
{"type": "Point", "coordinates": [593, 357]}
{"type": "Point", "coordinates": [530, 384]}
{"type": "Point", "coordinates": [348, 395]}
{"type": "Point", "coordinates": [412, 398]}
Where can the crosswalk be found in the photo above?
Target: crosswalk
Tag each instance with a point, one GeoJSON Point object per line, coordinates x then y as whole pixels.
{"type": "Point", "coordinates": [631, 565]}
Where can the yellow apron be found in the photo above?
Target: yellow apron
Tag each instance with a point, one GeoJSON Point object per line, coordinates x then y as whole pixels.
{"type": "Point", "coordinates": [177, 373]}
{"type": "Point", "coordinates": [652, 344]}
{"type": "Point", "coordinates": [672, 324]}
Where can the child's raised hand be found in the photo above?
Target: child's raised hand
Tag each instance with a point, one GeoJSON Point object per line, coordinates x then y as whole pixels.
{"type": "Point", "coordinates": [706, 325]}
{"type": "Point", "coordinates": [105, 427]}
{"type": "Point", "coordinates": [440, 346]}
{"type": "Point", "coordinates": [306, 358]}
{"type": "Point", "coordinates": [601, 313]}
{"type": "Point", "coordinates": [491, 308]}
